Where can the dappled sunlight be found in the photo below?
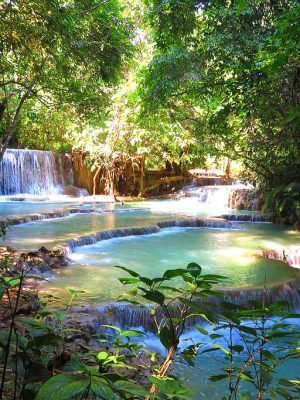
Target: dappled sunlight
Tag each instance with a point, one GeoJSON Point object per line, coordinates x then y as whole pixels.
{"type": "Point", "coordinates": [152, 254]}
{"type": "Point", "coordinates": [226, 252]}
{"type": "Point", "coordinates": [272, 245]}
{"type": "Point", "coordinates": [232, 252]}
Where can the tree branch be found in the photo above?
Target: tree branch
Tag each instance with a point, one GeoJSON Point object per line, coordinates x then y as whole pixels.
{"type": "Point", "coordinates": [92, 8]}
{"type": "Point", "coordinates": [11, 129]}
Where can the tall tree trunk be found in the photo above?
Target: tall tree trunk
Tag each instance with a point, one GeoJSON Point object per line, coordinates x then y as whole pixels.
{"type": "Point", "coordinates": [95, 180]}
{"type": "Point", "coordinates": [111, 184]}
{"type": "Point", "coordinates": [142, 177]}
{"type": "Point", "coordinates": [228, 168]}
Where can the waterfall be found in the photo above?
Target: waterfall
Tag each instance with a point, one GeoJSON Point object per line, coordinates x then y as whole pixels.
{"type": "Point", "coordinates": [219, 198]}
{"type": "Point", "coordinates": [290, 255]}
{"type": "Point", "coordinates": [86, 240]}
{"type": "Point", "coordinates": [197, 223]}
{"type": "Point", "coordinates": [246, 217]}
{"type": "Point", "coordinates": [69, 246]}
{"type": "Point", "coordinates": [211, 197]}
{"type": "Point", "coordinates": [127, 316]}
{"type": "Point", "coordinates": [34, 172]}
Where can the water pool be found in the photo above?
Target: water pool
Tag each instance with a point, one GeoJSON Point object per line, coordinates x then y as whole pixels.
{"type": "Point", "coordinates": [20, 208]}
{"type": "Point", "coordinates": [234, 254]}
{"type": "Point", "coordinates": [53, 232]}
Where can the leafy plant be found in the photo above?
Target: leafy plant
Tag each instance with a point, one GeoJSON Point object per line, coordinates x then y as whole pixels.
{"type": "Point", "coordinates": [284, 201]}
{"type": "Point", "coordinates": [257, 340]}
{"type": "Point", "coordinates": [254, 341]}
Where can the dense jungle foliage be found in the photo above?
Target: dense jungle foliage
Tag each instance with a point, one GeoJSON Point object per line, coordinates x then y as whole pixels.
{"type": "Point", "coordinates": [138, 83]}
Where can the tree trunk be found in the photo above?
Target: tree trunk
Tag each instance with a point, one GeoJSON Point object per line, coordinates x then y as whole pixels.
{"type": "Point", "coordinates": [111, 185]}
{"type": "Point", "coordinates": [142, 177]}
{"type": "Point", "coordinates": [94, 180]}
{"type": "Point", "coordinates": [228, 168]}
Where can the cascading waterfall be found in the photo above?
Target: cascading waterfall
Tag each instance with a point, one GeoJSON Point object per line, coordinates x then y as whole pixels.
{"type": "Point", "coordinates": [34, 172]}
{"type": "Point", "coordinates": [69, 246]}
{"type": "Point", "coordinates": [210, 197]}
{"type": "Point", "coordinates": [246, 217]}
{"type": "Point", "coordinates": [126, 315]}
{"type": "Point", "coordinates": [219, 198]}
{"type": "Point", "coordinates": [290, 255]}
{"type": "Point", "coordinates": [214, 197]}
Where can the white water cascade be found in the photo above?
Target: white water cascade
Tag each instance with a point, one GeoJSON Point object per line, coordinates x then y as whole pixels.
{"type": "Point", "coordinates": [219, 198]}
{"type": "Point", "coordinates": [213, 197]}
{"type": "Point", "coordinates": [34, 172]}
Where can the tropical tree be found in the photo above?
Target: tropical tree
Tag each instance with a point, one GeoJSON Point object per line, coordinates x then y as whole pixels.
{"type": "Point", "coordinates": [58, 52]}
{"type": "Point", "coordinates": [228, 71]}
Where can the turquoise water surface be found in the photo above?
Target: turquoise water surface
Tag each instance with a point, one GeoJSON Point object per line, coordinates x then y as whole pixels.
{"type": "Point", "coordinates": [235, 254]}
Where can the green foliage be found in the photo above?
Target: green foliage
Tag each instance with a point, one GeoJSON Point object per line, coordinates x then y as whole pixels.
{"type": "Point", "coordinates": [255, 346]}
{"type": "Point", "coordinates": [232, 78]}
{"type": "Point", "coordinates": [253, 340]}
{"type": "Point", "coordinates": [60, 54]}
{"type": "Point", "coordinates": [217, 78]}
{"type": "Point", "coordinates": [285, 202]}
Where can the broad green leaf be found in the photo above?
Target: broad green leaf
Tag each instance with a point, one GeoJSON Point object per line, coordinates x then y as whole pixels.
{"type": "Point", "coordinates": [174, 273]}
{"type": "Point", "coordinates": [75, 292]}
{"type": "Point", "coordinates": [130, 387]}
{"type": "Point", "coordinates": [129, 281]}
{"type": "Point", "coordinates": [132, 333]}
{"type": "Point", "coordinates": [11, 282]}
{"type": "Point", "coordinates": [216, 378]}
{"type": "Point", "coordinates": [62, 387]}
{"type": "Point", "coordinates": [155, 296]}
{"type": "Point", "coordinates": [246, 377]}
{"type": "Point", "coordinates": [201, 330]}
{"type": "Point", "coordinates": [101, 390]}
{"type": "Point", "coordinates": [130, 272]}
{"type": "Point", "coordinates": [238, 348]}
{"type": "Point", "coordinates": [116, 328]}
{"type": "Point", "coordinates": [167, 337]}
{"type": "Point", "coordinates": [194, 269]}
{"type": "Point", "coordinates": [225, 351]}
{"type": "Point", "coordinates": [102, 355]}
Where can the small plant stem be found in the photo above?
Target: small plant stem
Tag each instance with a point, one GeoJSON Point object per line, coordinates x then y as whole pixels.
{"type": "Point", "coordinates": [241, 371]}
{"type": "Point", "coordinates": [230, 387]}
{"type": "Point", "coordinates": [11, 328]}
{"type": "Point", "coordinates": [16, 368]}
{"type": "Point", "coordinates": [164, 368]}
{"type": "Point", "coordinates": [263, 342]}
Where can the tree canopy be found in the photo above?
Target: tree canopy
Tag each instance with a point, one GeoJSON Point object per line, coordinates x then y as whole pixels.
{"type": "Point", "coordinates": [62, 55]}
{"type": "Point", "coordinates": [228, 71]}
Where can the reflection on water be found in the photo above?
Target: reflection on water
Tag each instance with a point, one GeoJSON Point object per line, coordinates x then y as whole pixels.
{"type": "Point", "coordinates": [218, 251]}
{"type": "Point", "coordinates": [230, 253]}
{"type": "Point", "coordinates": [56, 231]}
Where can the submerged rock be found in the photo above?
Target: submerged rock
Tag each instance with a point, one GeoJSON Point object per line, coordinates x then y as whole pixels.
{"type": "Point", "coordinates": [13, 262]}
